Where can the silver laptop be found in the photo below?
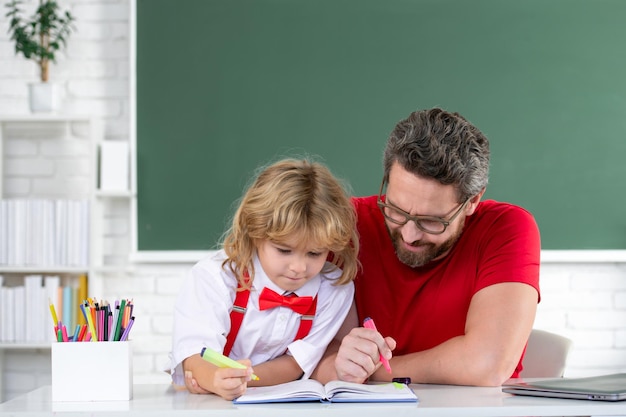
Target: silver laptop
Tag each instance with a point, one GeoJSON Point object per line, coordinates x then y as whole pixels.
{"type": "Point", "coordinates": [597, 388]}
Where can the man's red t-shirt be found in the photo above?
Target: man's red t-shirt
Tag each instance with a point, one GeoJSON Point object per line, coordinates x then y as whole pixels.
{"type": "Point", "coordinates": [425, 306]}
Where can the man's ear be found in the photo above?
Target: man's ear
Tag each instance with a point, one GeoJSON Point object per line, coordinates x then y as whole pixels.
{"type": "Point", "coordinates": [473, 203]}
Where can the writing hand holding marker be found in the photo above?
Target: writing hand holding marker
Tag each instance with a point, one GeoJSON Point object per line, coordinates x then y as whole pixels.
{"type": "Point", "coordinates": [369, 323]}
{"type": "Point", "coordinates": [222, 361]}
{"type": "Point", "coordinates": [229, 380]}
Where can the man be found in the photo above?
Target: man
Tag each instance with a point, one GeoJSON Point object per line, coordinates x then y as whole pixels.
{"type": "Point", "coordinates": [452, 282]}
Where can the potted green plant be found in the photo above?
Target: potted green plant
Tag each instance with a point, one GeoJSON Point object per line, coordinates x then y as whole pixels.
{"type": "Point", "coordinates": [38, 38]}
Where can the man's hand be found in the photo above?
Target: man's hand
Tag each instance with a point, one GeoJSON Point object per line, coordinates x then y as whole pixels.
{"type": "Point", "coordinates": [359, 354]}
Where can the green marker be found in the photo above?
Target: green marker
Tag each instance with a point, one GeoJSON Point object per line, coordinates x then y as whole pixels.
{"type": "Point", "coordinates": [222, 361]}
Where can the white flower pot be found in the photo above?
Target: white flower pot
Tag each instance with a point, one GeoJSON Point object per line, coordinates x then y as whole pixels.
{"type": "Point", "coordinates": [43, 97]}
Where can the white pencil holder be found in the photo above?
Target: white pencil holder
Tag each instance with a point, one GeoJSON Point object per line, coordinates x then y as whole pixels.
{"type": "Point", "coordinates": [92, 371]}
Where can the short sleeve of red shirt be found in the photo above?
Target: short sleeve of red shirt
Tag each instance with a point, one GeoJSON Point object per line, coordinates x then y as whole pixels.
{"type": "Point", "coordinates": [507, 244]}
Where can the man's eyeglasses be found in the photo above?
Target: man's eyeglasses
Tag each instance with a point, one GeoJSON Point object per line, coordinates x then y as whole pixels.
{"type": "Point", "coordinates": [428, 224]}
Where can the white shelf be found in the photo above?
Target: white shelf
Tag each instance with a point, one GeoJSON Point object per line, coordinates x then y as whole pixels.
{"type": "Point", "coordinates": [9, 269]}
{"type": "Point", "coordinates": [24, 345]}
{"type": "Point", "coordinates": [43, 118]}
{"type": "Point", "coordinates": [16, 127]}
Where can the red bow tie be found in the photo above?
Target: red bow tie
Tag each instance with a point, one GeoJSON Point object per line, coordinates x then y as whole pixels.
{"type": "Point", "coordinates": [270, 299]}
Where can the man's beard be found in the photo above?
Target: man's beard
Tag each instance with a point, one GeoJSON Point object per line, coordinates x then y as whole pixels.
{"type": "Point", "coordinates": [430, 253]}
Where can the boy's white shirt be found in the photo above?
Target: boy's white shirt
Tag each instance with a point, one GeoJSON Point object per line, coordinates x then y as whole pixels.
{"type": "Point", "coordinates": [202, 317]}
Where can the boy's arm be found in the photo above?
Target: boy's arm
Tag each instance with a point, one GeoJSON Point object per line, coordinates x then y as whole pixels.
{"type": "Point", "coordinates": [276, 371]}
{"type": "Point", "coordinates": [202, 377]}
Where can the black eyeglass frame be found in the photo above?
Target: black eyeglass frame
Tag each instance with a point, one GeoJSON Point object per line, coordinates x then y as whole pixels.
{"type": "Point", "coordinates": [416, 219]}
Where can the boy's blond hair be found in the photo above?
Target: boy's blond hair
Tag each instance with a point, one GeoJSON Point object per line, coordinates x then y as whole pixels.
{"type": "Point", "coordinates": [294, 198]}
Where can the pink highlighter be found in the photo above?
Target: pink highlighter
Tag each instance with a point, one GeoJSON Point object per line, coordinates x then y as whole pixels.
{"type": "Point", "coordinates": [369, 324]}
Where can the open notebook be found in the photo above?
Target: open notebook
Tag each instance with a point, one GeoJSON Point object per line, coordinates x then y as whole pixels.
{"type": "Point", "coordinates": [334, 391]}
{"type": "Point", "coordinates": [610, 387]}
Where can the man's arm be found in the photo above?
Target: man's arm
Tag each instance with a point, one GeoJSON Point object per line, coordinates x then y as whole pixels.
{"type": "Point", "coordinates": [499, 321]}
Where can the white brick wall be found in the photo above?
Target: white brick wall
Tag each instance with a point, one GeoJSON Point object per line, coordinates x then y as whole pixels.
{"type": "Point", "coordinates": [586, 302]}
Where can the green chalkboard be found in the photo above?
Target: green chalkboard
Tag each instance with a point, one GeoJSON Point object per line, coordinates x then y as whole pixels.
{"type": "Point", "coordinates": [224, 86]}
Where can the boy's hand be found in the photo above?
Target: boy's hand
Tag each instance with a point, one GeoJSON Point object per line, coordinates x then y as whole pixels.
{"type": "Point", "coordinates": [228, 383]}
{"type": "Point", "coordinates": [192, 385]}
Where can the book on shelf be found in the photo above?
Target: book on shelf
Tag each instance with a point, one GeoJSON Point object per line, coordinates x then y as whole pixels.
{"type": "Point", "coordinates": [24, 309]}
{"type": "Point", "coordinates": [44, 232]}
{"type": "Point", "coordinates": [114, 165]}
{"type": "Point", "coordinates": [34, 303]}
{"type": "Point", "coordinates": [81, 293]}
{"type": "Point", "coordinates": [51, 285]}
{"type": "Point", "coordinates": [333, 391]}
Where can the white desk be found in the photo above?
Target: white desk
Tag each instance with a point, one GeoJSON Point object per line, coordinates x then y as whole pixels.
{"type": "Point", "coordinates": [435, 400]}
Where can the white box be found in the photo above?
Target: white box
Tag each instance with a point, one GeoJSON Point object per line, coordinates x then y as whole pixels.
{"type": "Point", "coordinates": [92, 371]}
{"type": "Point", "coordinates": [114, 165]}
